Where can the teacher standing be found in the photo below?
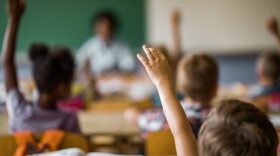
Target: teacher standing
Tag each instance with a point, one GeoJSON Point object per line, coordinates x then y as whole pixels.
{"type": "Point", "coordinates": [102, 53]}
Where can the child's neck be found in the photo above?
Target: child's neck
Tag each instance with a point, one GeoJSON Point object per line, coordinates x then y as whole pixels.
{"type": "Point", "coordinates": [47, 101]}
{"type": "Point", "coordinates": [265, 82]}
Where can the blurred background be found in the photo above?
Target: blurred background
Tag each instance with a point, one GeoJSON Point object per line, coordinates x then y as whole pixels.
{"type": "Point", "coordinates": [233, 32]}
{"type": "Point", "coordinates": [222, 28]}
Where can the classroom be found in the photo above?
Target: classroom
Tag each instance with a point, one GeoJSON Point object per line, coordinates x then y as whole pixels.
{"type": "Point", "coordinates": [139, 78]}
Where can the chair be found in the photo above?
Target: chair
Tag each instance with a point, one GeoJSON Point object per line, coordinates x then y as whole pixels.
{"type": "Point", "coordinates": [160, 143]}
{"type": "Point", "coordinates": [8, 143]}
{"type": "Point", "coordinates": [268, 103]}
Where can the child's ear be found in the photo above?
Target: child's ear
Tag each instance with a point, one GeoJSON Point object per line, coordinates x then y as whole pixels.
{"type": "Point", "coordinates": [215, 91]}
{"type": "Point", "coordinates": [259, 69]}
{"type": "Point", "coordinates": [259, 75]}
{"type": "Point", "coordinates": [179, 87]}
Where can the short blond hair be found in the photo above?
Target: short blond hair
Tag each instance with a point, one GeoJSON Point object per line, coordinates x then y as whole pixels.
{"type": "Point", "coordinates": [269, 66]}
{"type": "Point", "coordinates": [197, 76]}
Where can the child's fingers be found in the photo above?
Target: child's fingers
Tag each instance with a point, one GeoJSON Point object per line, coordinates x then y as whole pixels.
{"type": "Point", "coordinates": [15, 2]}
{"type": "Point", "coordinates": [160, 54]}
{"type": "Point", "coordinates": [148, 53]}
{"type": "Point", "coordinates": [11, 2]}
{"type": "Point", "coordinates": [143, 60]}
{"type": "Point", "coordinates": [154, 52]}
{"type": "Point", "coordinates": [22, 2]}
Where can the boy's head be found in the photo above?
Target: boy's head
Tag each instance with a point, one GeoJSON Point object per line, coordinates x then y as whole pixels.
{"type": "Point", "coordinates": [104, 24]}
{"type": "Point", "coordinates": [53, 70]}
{"type": "Point", "coordinates": [236, 128]}
{"type": "Point", "coordinates": [268, 68]}
{"type": "Point", "coordinates": [197, 77]}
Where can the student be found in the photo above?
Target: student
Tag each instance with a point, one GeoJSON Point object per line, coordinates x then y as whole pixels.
{"type": "Point", "coordinates": [102, 53]}
{"type": "Point", "coordinates": [197, 80]}
{"type": "Point", "coordinates": [268, 67]}
{"type": "Point", "coordinates": [232, 128]}
{"type": "Point", "coordinates": [268, 72]}
{"type": "Point", "coordinates": [53, 73]}
{"type": "Point", "coordinates": [197, 89]}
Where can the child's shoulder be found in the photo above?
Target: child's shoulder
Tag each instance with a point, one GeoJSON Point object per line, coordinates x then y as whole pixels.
{"type": "Point", "coordinates": [259, 90]}
{"type": "Point", "coordinates": [69, 113]}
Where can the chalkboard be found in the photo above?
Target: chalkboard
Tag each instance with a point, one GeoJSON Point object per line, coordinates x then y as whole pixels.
{"type": "Point", "coordinates": [68, 22]}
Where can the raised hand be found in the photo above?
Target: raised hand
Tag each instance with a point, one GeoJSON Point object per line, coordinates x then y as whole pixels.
{"type": "Point", "coordinates": [159, 71]}
{"type": "Point", "coordinates": [156, 66]}
{"type": "Point", "coordinates": [272, 26]}
{"type": "Point", "coordinates": [15, 9]}
{"type": "Point", "coordinates": [176, 50]}
{"type": "Point", "coordinates": [175, 18]}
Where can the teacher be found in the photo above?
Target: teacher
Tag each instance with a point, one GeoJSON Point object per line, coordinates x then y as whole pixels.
{"type": "Point", "coordinates": [102, 53]}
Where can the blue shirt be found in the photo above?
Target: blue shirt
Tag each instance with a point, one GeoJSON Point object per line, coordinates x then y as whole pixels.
{"type": "Point", "coordinates": [260, 90]}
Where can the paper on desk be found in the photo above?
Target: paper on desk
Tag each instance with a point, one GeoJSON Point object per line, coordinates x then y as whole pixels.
{"type": "Point", "coordinates": [104, 154]}
{"type": "Point", "coordinates": [65, 152]}
{"type": "Point", "coordinates": [136, 90]}
{"type": "Point", "coordinates": [77, 152]}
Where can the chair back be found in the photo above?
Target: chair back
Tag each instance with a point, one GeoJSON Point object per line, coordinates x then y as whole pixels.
{"type": "Point", "coordinates": [8, 144]}
{"type": "Point", "coordinates": [160, 143]}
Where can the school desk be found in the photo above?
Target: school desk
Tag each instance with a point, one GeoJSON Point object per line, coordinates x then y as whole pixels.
{"type": "Point", "coordinates": [111, 121]}
{"type": "Point", "coordinates": [104, 125]}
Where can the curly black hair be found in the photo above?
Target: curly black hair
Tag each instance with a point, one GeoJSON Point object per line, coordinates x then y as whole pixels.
{"type": "Point", "coordinates": [110, 16]}
{"type": "Point", "coordinates": [51, 67]}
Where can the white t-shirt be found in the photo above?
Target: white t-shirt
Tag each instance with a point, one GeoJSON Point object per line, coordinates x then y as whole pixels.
{"type": "Point", "coordinates": [104, 58]}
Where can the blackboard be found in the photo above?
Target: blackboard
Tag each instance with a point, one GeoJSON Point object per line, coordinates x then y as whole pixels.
{"type": "Point", "coordinates": [67, 22]}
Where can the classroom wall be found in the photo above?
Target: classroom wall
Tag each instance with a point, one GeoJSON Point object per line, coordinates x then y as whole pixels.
{"type": "Point", "coordinates": [214, 25]}
{"type": "Point", "coordinates": [67, 22]}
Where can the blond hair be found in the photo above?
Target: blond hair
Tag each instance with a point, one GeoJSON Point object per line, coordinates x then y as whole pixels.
{"type": "Point", "coordinates": [269, 66]}
{"type": "Point", "coordinates": [197, 76]}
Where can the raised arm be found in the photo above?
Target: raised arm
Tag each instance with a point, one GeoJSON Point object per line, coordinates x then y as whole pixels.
{"type": "Point", "coordinates": [15, 11]}
{"type": "Point", "coordinates": [159, 71]}
{"type": "Point", "coordinates": [176, 38]}
{"type": "Point", "coordinates": [272, 26]}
